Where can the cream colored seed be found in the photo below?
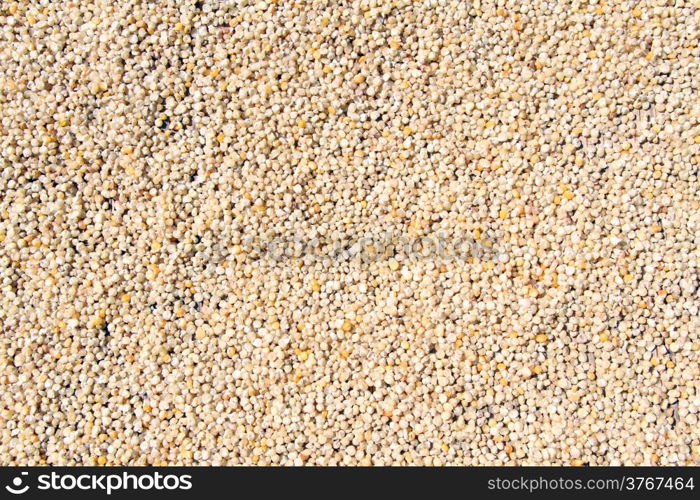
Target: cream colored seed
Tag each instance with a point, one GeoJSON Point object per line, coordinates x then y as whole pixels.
{"type": "Point", "coordinates": [366, 233]}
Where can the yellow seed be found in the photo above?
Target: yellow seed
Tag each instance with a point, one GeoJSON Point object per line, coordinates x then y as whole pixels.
{"type": "Point", "coordinates": [670, 365]}
{"type": "Point", "coordinates": [358, 79]}
{"type": "Point", "coordinates": [327, 69]}
{"type": "Point", "coordinates": [393, 265]}
{"type": "Point", "coordinates": [126, 297]}
{"type": "Point", "coordinates": [101, 460]}
{"type": "Point", "coordinates": [628, 277]}
{"type": "Point", "coordinates": [407, 130]}
{"type": "Point", "coordinates": [568, 195]}
{"type": "Point", "coordinates": [303, 355]}
{"type": "Point", "coordinates": [603, 337]}
{"type": "Point", "coordinates": [503, 214]}
{"type": "Point", "coordinates": [301, 123]}
{"type": "Point", "coordinates": [394, 44]}
{"type": "Point", "coordinates": [220, 138]}
{"type": "Point", "coordinates": [200, 333]}
{"type": "Point", "coordinates": [347, 325]}
{"type": "Point", "coordinates": [637, 13]}
{"type": "Point", "coordinates": [541, 338]}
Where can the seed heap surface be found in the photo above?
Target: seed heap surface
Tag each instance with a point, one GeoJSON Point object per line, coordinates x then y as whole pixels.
{"type": "Point", "coordinates": [150, 149]}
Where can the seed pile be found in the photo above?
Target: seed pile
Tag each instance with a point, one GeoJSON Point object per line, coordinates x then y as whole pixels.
{"type": "Point", "coordinates": [150, 149]}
